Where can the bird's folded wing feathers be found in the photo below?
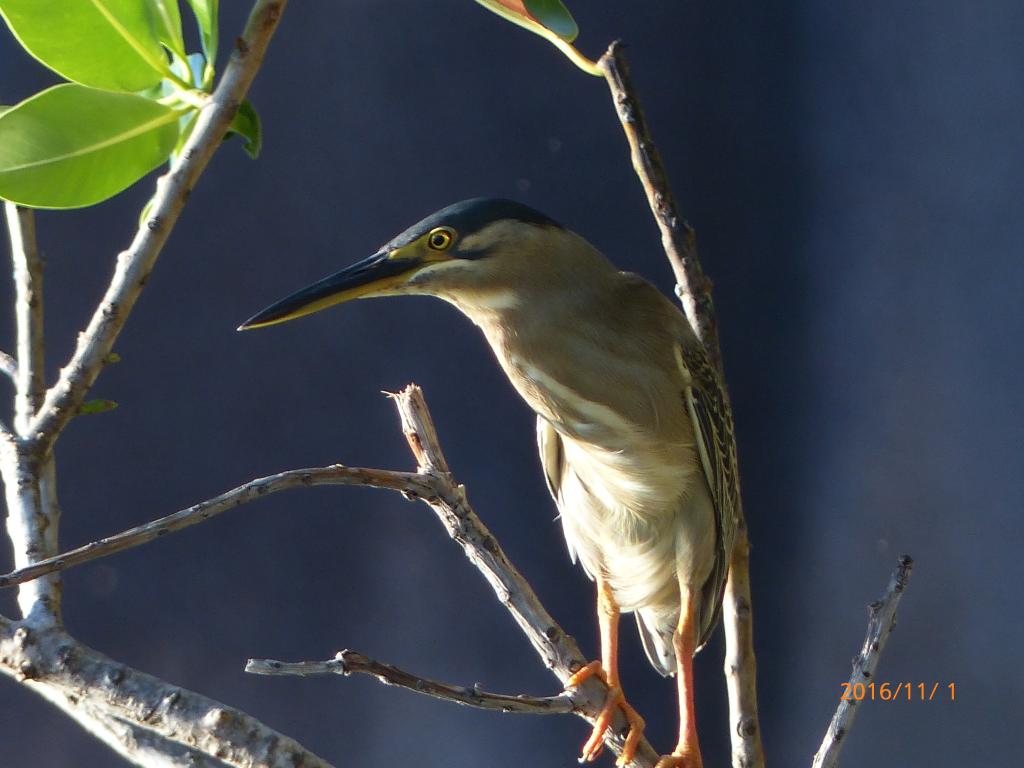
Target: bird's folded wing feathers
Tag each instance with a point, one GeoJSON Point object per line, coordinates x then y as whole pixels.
{"type": "Point", "coordinates": [709, 411]}
{"type": "Point", "coordinates": [549, 444]}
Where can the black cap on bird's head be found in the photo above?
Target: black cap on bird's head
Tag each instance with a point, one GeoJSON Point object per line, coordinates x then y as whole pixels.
{"type": "Point", "coordinates": [451, 234]}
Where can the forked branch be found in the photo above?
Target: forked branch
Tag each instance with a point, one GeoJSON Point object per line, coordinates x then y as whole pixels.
{"type": "Point", "coordinates": [136, 263]}
{"type": "Point", "coordinates": [177, 723]}
{"type": "Point", "coordinates": [433, 484]}
{"type": "Point", "coordinates": [144, 719]}
{"type": "Point", "coordinates": [557, 649]}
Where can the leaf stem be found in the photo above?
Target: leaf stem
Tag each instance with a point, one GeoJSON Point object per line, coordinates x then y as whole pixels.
{"type": "Point", "coordinates": [577, 58]}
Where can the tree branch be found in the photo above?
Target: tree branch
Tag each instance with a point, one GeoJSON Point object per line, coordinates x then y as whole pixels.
{"type": "Point", "coordinates": [677, 236]}
{"type": "Point", "coordinates": [135, 264]}
{"type": "Point", "coordinates": [137, 745]}
{"type": "Point", "coordinates": [28, 311]}
{"type": "Point", "coordinates": [33, 515]}
{"type": "Point", "coordinates": [9, 366]}
{"type": "Point", "coordinates": [694, 290]}
{"type": "Point", "coordinates": [96, 690]}
{"type": "Point", "coordinates": [434, 485]}
{"type": "Point", "coordinates": [352, 662]}
{"type": "Point", "coordinates": [881, 621]}
{"type": "Point", "coordinates": [144, 719]}
{"type": "Point", "coordinates": [740, 664]}
{"type": "Point", "coordinates": [557, 650]}
{"type": "Point", "coordinates": [408, 483]}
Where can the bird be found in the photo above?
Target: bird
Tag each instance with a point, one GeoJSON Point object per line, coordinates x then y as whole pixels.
{"type": "Point", "coordinates": [634, 426]}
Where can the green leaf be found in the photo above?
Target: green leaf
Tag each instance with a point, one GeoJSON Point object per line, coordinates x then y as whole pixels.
{"type": "Point", "coordinates": [206, 16]}
{"type": "Point", "coordinates": [555, 16]}
{"type": "Point", "coordinates": [547, 18]}
{"type": "Point", "coordinates": [108, 44]}
{"type": "Point", "coordinates": [113, 357]}
{"type": "Point", "coordinates": [97, 406]}
{"type": "Point", "coordinates": [72, 146]}
{"type": "Point", "coordinates": [166, 17]}
{"type": "Point", "coordinates": [247, 125]}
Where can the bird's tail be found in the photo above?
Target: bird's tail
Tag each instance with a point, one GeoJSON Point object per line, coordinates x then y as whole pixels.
{"type": "Point", "coordinates": [657, 627]}
{"type": "Point", "coordinates": [656, 634]}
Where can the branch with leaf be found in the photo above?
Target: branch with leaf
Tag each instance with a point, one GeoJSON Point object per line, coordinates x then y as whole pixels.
{"type": "Point", "coordinates": [136, 98]}
{"type": "Point", "coordinates": [132, 102]}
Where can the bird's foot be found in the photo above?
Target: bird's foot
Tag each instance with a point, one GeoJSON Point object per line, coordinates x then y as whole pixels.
{"type": "Point", "coordinates": [592, 669]}
{"type": "Point", "coordinates": [615, 698]}
{"type": "Point", "coordinates": [679, 759]}
{"type": "Point", "coordinates": [595, 744]}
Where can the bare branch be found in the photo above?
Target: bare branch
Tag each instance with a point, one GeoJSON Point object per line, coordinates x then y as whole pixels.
{"type": "Point", "coordinates": [408, 483]}
{"type": "Point", "coordinates": [693, 287]}
{"type": "Point", "coordinates": [740, 665]}
{"type": "Point", "coordinates": [677, 236]}
{"type": "Point", "coordinates": [558, 650]}
{"type": "Point", "coordinates": [29, 474]}
{"type": "Point", "coordinates": [32, 520]}
{"type": "Point", "coordinates": [9, 366]}
{"type": "Point", "coordinates": [135, 264]}
{"type": "Point", "coordinates": [419, 431]}
{"type": "Point", "coordinates": [138, 745]}
{"type": "Point", "coordinates": [881, 621]}
{"type": "Point", "coordinates": [94, 689]}
{"type": "Point", "coordinates": [28, 312]}
{"type": "Point", "coordinates": [351, 662]}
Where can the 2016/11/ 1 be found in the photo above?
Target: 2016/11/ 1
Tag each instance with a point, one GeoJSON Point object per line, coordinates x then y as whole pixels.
{"type": "Point", "coordinates": [893, 691]}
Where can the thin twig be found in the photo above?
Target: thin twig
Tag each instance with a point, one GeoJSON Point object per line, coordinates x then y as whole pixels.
{"type": "Point", "coordinates": [94, 688]}
{"type": "Point", "coordinates": [136, 263]}
{"type": "Point", "coordinates": [28, 311]}
{"type": "Point", "coordinates": [677, 236]}
{"type": "Point", "coordinates": [8, 366]}
{"type": "Point", "coordinates": [408, 483]}
{"type": "Point", "coordinates": [694, 290]}
{"type": "Point", "coordinates": [558, 650]}
{"type": "Point", "coordinates": [352, 662]}
{"type": "Point", "coordinates": [881, 621]}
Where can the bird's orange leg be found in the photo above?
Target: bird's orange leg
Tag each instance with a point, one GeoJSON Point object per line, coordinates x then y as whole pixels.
{"type": "Point", "coordinates": [687, 751]}
{"type": "Point", "coordinates": [608, 670]}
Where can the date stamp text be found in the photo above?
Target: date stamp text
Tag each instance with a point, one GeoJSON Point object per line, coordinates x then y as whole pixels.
{"type": "Point", "coordinates": [905, 691]}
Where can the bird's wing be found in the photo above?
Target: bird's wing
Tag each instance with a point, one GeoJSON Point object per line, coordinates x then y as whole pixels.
{"type": "Point", "coordinates": [552, 459]}
{"type": "Point", "coordinates": [709, 410]}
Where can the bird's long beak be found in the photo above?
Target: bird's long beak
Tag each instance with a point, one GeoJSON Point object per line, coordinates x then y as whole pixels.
{"type": "Point", "coordinates": [371, 276]}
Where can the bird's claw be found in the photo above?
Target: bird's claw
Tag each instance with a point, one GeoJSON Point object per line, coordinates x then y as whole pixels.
{"type": "Point", "coordinates": [615, 698]}
{"type": "Point", "coordinates": [592, 669]}
{"type": "Point", "coordinates": [595, 744]}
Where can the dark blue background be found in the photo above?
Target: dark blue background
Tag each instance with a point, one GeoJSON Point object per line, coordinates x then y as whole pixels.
{"type": "Point", "coordinates": [854, 171]}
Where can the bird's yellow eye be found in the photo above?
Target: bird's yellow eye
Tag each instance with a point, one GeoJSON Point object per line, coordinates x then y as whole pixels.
{"type": "Point", "coordinates": [440, 238]}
